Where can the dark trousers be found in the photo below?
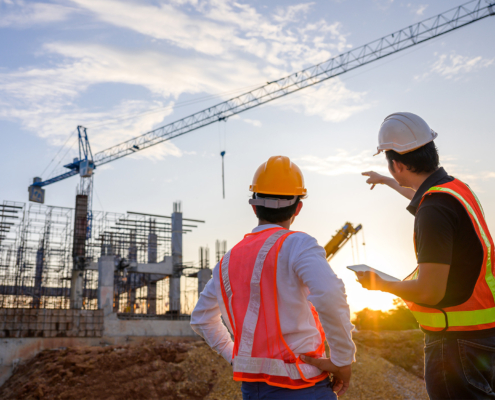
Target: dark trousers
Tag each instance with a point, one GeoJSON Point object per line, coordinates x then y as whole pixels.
{"type": "Point", "coordinates": [263, 391]}
{"type": "Point", "coordinates": [459, 368]}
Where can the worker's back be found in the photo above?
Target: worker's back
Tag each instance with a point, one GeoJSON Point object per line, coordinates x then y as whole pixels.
{"type": "Point", "coordinates": [269, 289]}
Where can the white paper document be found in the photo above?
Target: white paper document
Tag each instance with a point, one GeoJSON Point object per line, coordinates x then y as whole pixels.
{"type": "Point", "coordinates": [364, 268]}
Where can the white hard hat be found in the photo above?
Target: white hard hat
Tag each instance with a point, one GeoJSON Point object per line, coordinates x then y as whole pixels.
{"type": "Point", "coordinates": [404, 132]}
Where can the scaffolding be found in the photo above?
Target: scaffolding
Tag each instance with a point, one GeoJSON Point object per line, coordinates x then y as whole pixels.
{"type": "Point", "coordinates": [40, 248]}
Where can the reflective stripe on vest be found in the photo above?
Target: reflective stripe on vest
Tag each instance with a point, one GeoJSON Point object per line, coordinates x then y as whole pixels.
{"type": "Point", "coordinates": [226, 285]}
{"type": "Point", "coordinates": [244, 362]}
{"type": "Point", "coordinates": [462, 318]}
{"type": "Point", "coordinates": [456, 318]}
{"type": "Point", "coordinates": [253, 310]}
{"type": "Point", "coordinates": [274, 367]}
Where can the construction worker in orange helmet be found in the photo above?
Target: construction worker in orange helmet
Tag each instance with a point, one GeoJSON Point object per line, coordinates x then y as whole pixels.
{"type": "Point", "coordinates": [452, 290]}
{"type": "Point", "coordinates": [279, 299]}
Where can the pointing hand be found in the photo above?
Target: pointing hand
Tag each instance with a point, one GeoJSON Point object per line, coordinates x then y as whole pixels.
{"type": "Point", "coordinates": [374, 178]}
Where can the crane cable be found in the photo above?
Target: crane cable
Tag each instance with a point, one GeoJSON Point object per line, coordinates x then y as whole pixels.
{"type": "Point", "coordinates": [364, 246]}
{"type": "Point", "coordinates": [69, 149]}
{"type": "Point", "coordinates": [58, 152]}
{"type": "Point", "coordinates": [223, 146]}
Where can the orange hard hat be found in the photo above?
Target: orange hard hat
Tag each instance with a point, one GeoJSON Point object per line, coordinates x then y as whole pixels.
{"type": "Point", "coordinates": [279, 176]}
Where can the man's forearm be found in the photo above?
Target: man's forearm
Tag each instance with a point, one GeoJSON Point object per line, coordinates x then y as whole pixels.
{"type": "Point", "coordinates": [429, 287]}
{"type": "Point", "coordinates": [406, 192]}
{"type": "Point", "coordinates": [407, 290]}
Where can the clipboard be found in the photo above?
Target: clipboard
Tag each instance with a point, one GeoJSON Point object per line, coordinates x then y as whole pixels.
{"type": "Point", "coordinates": [364, 268]}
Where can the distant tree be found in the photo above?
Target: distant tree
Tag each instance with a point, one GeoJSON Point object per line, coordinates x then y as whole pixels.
{"type": "Point", "coordinates": [395, 319]}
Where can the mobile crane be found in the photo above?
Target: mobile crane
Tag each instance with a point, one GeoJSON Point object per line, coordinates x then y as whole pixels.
{"type": "Point", "coordinates": [340, 239]}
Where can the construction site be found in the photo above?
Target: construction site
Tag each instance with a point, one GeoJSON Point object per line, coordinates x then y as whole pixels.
{"type": "Point", "coordinates": [97, 304]}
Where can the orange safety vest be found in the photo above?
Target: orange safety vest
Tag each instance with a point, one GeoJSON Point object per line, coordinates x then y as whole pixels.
{"type": "Point", "coordinates": [478, 312]}
{"type": "Point", "coordinates": [247, 277]}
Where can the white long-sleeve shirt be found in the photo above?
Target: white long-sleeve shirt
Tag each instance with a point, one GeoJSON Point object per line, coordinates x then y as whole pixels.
{"type": "Point", "coordinates": [303, 276]}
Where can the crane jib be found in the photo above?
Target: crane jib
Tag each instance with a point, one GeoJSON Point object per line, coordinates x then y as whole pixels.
{"type": "Point", "coordinates": [403, 39]}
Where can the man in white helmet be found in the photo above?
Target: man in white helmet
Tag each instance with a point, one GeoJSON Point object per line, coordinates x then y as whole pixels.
{"type": "Point", "coordinates": [452, 290]}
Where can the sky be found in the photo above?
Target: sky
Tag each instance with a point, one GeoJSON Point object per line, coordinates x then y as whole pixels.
{"type": "Point", "coordinates": [122, 68]}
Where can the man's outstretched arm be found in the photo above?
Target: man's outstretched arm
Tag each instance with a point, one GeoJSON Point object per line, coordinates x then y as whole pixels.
{"type": "Point", "coordinates": [376, 179]}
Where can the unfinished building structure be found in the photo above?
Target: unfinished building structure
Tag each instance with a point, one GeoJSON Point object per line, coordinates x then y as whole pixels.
{"type": "Point", "coordinates": [62, 271]}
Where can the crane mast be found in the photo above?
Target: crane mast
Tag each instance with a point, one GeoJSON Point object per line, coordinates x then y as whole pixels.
{"type": "Point", "coordinates": [403, 39]}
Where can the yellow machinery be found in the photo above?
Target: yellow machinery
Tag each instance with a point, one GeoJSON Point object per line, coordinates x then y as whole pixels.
{"type": "Point", "coordinates": [340, 238]}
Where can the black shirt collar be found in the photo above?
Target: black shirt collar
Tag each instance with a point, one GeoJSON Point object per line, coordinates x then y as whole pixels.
{"type": "Point", "coordinates": [437, 176]}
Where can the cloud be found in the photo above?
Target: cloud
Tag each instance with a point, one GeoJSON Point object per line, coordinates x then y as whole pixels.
{"type": "Point", "coordinates": [291, 13]}
{"type": "Point", "coordinates": [183, 47]}
{"type": "Point", "coordinates": [383, 4]}
{"type": "Point", "coordinates": [417, 9]}
{"type": "Point", "coordinates": [454, 66]}
{"type": "Point", "coordinates": [35, 96]}
{"type": "Point", "coordinates": [332, 101]}
{"type": "Point", "coordinates": [22, 14]}
{"type": "Point", "coordinates": [342, 163]}
{"type": "Point", "coordinates": [55, 123]}
{"type": "Point", "coordinates": [421, 9]}
{"type": "Point", "coordinates": [219, 27]}
{"type": "Point", "coordinates": [253, 122]}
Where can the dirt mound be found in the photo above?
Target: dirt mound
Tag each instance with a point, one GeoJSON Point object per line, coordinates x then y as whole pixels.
{"type": "Point", "coordinates": [151, 370]}
{"type": "Point", "coordinates": [374, 378]}
{"type": "Point", "coordinates": [189, 369]}
{"type": "Point", "coordinates": [402, 348]}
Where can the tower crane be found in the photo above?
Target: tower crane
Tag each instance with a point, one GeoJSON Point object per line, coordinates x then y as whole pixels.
{"type": "Point", "coordinates": [395, 42]}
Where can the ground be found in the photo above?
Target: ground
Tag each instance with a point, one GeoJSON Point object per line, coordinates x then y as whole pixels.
{"type": "Point", "coordinates": [188, 369]}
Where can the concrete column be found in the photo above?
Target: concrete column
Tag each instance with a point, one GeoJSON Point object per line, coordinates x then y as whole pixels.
{"type": "Point", "coordinates": [116, 302]}
{"type": "Point", "coordinates": [132, 300]}
{"type": "Point", "coordinates": [151, 298]}
{"type": "Point", "coordinates": [132, 255]}
{"type": "Point", "coordinates": [80, 228]}
{"type": "Point", "coordinates": [174, 290]}
{"type": "Point", "coordinates": [204, 275]}
{"type": "Point", "coordinates": [152, 248]}
{"type": "Point", "coordinates": [76, 289]}
{"type": "Point", "coordinates": [152, 242]}
{"type": "Point", "coordinates": [38, 277]}
{"type": "Point", "coordinates": [106, 268]}
{"type": "Point", "coordinates": [79, 251]}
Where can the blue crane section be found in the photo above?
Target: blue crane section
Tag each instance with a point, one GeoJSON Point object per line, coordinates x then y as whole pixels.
{"type": "Point", "coordinates": [403, 39]}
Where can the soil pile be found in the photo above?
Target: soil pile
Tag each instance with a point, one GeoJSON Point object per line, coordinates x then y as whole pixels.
{"type": "Point", "coordinates": [189, 369]}
{"type": "Point", "coordinates": [151, 370]}
{"type": "Point", "coordinates": [402, 348]}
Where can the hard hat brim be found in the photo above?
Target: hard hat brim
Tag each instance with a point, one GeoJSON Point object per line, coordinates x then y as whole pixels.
{"type": "Point", "coordinates": [394, 147]}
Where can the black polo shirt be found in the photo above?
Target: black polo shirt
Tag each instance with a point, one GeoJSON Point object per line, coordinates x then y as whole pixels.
{"type": "Point", "coordinates": [445, 235]}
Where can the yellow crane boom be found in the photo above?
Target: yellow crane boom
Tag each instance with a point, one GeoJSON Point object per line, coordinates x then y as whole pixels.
{"type": "Point", "coordinates": [341, 238]}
